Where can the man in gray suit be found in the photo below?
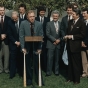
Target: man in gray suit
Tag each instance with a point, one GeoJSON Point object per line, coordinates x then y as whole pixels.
{"type": "Point", "coordinates": [54, 35]}
{"type": "Point", "coordinates": [30, 27]}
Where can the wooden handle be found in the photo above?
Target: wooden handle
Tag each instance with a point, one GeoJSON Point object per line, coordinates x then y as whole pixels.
{"type": "Point", "coordinates": [40, 81]}
{"type": "Point", "coordinates": [24, 71]}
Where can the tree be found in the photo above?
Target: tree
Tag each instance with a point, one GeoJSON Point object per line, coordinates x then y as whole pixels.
{"type": "Point", "coordinates": [50, 4]}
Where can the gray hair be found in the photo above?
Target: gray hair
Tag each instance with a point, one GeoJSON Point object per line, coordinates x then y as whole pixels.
{"type": "Point", "coordinates": [55, 12]}
{"type": "Point", "coordinates": [15, 13]}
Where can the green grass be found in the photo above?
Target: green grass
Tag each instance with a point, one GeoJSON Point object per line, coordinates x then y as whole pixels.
{"type": "Point", "coordinates": [50, 82]}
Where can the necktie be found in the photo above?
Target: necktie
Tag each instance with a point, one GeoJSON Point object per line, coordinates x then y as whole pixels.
{"type": "Point", "coordinates": [56, 27]}
{"type": "Point", "coordinates": [41, 19]}
{"type": "Point", "coordinates": [74, 22]}
{"type": "Point", "coordinates": [2, 22]}
{"type": "Point", "coordinates": [32, 29]}
{"type": "Point", "coordinates": [22, 17]}
{"type": "Point", "coordinates": [16, 25]}
{"type": "Point", "coordinates": [68, 18]}
{"type": "Point", "coordinates": [86, 22]}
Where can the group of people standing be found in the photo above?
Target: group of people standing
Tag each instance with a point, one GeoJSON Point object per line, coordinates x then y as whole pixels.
{"type": "Point", "coordinates": [72, 31]}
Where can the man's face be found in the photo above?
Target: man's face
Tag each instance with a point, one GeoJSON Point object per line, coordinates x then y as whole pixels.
{"type": "Point", "coordinates": [75, 16]}
{"type": "Point", "coordinates": [69, 11]}
{"type": "Point", "coordinates": [55, 17]}
{"type": "Point", "coordinates": [42, 13]}
{"type": "Point", "coordinates": [2, 11]}
{"type": "Point", "coordinates": [15, 17]}
{"type": "Point", "coordinates": [21, 10]}
{"type": "Point", "coordinates": [31, 17]}
{"type": "Point", "coordinates": [85, 15]}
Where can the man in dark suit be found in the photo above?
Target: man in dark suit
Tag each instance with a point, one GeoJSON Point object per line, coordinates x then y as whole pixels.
{"type": "Point", "coordinates": [14, 44]}
{"type": "Point", "coordinates": [64, 25]}
{"type": "Point", "coordinates": [75, 35]}
{"type": "Point", "coordinates": [84, 52]}
{"type": "Point", "coordinates": [54, 35]}
{"type": "Point", "coordinates": [43, 20]}
{"type": "Point", "coordinates": [22, 12]}
{"type": "Point", "coordinates": [65, 19]}
{"type": "Point", "coordinates": [31, 27]}
{"type": "Point", "coordinates": [4, 49]}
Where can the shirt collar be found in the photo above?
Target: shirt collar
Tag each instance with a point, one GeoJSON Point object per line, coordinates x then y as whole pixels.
{"type": "Point", "coordinates": [76, 20]}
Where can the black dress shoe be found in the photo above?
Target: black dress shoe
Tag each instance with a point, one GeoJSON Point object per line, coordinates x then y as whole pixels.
{"type": "Point", "coordinates": [76, 83]}
{"type": "Point", "coordinates": [29, 84]}
{"type": "Point", "coordinates": [57, 74]}
{"type": "Point", "coordinates": [11, 77]}
{"type": "Point", "coordinates": [47, 75]}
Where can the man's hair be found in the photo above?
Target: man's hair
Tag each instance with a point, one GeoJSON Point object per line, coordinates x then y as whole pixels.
{"type": "Point", "coordinates": [30, 11]}
{"type": "Point", "coordinates": [77, 11]}
{"type": "Point", "coordinates": [85, 9]}
{"type": "Point", "coordinates": [2, 6]}
{"type": "Point", "coordinates": [22, 5]}
{"type": "Point", "coordinates": [55, 12]}
{"type": "Point", "coordinates": [41, 8]}
{"type": "Point", "coordinates": [69, 6]}
{"type": "Point", "coordinates": [15, 13]}
{"type": "Point", "coordinates": [75, 4]}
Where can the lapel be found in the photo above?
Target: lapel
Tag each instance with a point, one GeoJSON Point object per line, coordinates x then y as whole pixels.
{"type": "Point", "coordinates": [35, 25]}
{"type": "Point", "coordinates": [66, 20]}
{"type": "Point", "coordinates": [53, 26]}
{"type": "Point", "coordinates": [38, 19]}
{"type": "Point", "coordinates": [75, 25]}
{"type": "Point", "coordinates": [5, 19]}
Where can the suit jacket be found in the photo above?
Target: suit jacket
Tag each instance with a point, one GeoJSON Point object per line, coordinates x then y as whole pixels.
{"type": "Point", "coordinates": [51, 35]}
{"type": "Point", "coordinates": [64, 24]}
{"type": "Point", "coordinates": [85, 40]}
{"type": "Point", "coordinates": [46, 19]}
{"type": "Point", "coordinates": [13, 34]}
{"type": "Point", "coordinates": [78, 32]}
{"type": "Point", "coordinates": [26, 31]}
{"type": "Point", "coordinates": [4, 30]}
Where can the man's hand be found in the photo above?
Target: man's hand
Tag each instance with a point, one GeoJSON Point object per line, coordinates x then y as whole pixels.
{"type": "Point", "coordinates": [3, 36]}
{"type": "Point", "coordinates": [39, 51]}
{"type": "Point", "coordinates": [54, 43]}
{"type": "Point", "coordinates": [57, 41]}
{"type": "Point", "coordinates": [83, 44]}
{"type": "Point", "coordinates": [69, 37]}
{"type": "Point", "coordinates": [24, 51]}
{"type": "Point", "coordinates": [65, 37]}
{"type": "Point", "coordinates": [17, 43]}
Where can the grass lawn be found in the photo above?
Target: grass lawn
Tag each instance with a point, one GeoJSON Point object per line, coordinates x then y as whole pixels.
{"type": "Point", "coordinates": [50, 82]}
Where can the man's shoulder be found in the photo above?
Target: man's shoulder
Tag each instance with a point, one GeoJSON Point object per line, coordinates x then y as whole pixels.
{"type": "Point", "coordinates": [37, 22]}
{"type": "Point", "coordinates": [65, 17]}
{"type": "Point", "coordinates": [24, 21]}
{"type": "Point", "coordinates": [7, 17]}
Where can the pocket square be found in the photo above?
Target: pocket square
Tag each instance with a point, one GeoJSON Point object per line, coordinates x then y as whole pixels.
{"type": "Point", "coordinates": [77, 27]}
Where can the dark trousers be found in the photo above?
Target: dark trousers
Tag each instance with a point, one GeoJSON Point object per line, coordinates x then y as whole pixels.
{"type": "Point", "coordinates": [50, 58]}
{"type": "Point", "coordinates": [16, 62]}
{"type": "Point", "coordinates": [31, 64]}
{"type": "Point", "coordinates": [74, 66]}
{"type": "Point", "coordinates": [44, 56]}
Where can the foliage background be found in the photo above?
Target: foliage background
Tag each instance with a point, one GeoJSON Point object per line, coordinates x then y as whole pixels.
{"type": "Point", "coordinates": [50, 4]}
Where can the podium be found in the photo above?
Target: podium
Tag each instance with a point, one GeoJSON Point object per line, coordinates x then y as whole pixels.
{"type": "Point", "coordinates": [33, 39]}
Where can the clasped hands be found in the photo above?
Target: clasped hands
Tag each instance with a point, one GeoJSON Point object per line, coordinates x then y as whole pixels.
{"type": "Point", "coordinates": [83, 44]}
{"type": "Point", "coordinates": [17, 43]}
{"type": "Point", "coordinates": [56, 41]}
{"type": "Point", "coordinates": [68, 37]}
{"type": "Point", "coordinates": [3, 36]}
